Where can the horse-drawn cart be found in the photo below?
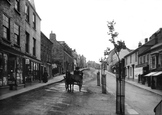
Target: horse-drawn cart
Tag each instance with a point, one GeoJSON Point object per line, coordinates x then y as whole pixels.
{"type": "Point", "coordinates": [71, 80]}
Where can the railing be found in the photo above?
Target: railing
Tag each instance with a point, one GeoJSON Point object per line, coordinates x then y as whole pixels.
{"type": "Point", "coordinates": [158, 108]}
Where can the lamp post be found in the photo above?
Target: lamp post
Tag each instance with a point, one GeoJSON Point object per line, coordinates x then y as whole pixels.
{"type": "Point", "coordinates": [103, 76]}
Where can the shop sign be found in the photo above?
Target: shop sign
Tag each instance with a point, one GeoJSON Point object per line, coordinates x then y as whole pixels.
{"type": "Point", "coordinates": [138, 71]}
{"type": "Point", "coordinates": [27, 61]}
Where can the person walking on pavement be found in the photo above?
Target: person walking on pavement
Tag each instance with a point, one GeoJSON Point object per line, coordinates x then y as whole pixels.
{"type": "Point", "coordinates": [45, 76]}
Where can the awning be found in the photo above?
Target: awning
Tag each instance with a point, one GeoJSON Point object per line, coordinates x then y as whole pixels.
{"type": "Point", "coordinates": [157, 73]}
{"type": "Point", "coordinates": [151, 74]}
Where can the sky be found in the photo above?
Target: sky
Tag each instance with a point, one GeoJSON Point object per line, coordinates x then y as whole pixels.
{"type": "Point", "coordinates": [82, 24]}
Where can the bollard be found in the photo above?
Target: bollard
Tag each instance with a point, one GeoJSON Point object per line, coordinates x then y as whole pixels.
{"type": "Point", "coordinates": [104, 83]}
{"type": "Point", "coordinates": [98, 79]}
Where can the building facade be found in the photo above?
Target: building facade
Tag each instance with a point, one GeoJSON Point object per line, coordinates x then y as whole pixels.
{"type": "Point", "coordinates": [131, 61]}
{"type": "Point", "coordinates": [32, 42]}
{"type": "Point", "coordinates": [19, 42]}
{"type": "Point", "coordinates": [68, 61]}
{"type": "Point", "coordinates": [145, 63]}
{"type": "Point", "coordinates": [75, 55]}
{"type": "Point", "coordinates": [57, 55]}
{"type": "Point", "coordinates": [113, 59]}
{"type": "Point", "coordinates": [154, 76]}
{"type": "Point", "coordinates": [46, 55]}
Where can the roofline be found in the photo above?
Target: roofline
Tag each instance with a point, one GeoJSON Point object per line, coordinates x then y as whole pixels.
{"type": "Point", "coordinates": [34, 9]}
{"type": "Point", "coordinates": [46, 37]}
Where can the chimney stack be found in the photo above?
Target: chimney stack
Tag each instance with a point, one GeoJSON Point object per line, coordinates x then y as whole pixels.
{"type": "Point", "coordinates": [52, 36]}
{"type": "Point", "coordinates": [139, 44]}
{"type": "Point", "coordinates": [146, 40]}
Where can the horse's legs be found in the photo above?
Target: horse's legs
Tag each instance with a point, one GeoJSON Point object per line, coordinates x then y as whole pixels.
{"type": "Point", "coordinates": [73, 87]}
{"type": "Point", "coordinates": [70, 87]}
{"type": "Point", "coordinates": [80, 86]}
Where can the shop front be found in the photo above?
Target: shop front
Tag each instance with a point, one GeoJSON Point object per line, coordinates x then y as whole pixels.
{"type": "Point", "coordinates": [156, 80]}
{"type": "Point", "coordinates": [11, 69]}
{"type": "Point", "coordinates": [31, 70]}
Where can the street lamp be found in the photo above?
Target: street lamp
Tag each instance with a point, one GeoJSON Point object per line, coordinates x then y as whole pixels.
{"type": "Point", "coordinates": [103, 76]}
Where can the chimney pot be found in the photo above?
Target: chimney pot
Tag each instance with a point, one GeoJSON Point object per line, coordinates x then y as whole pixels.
{"type": "Point", "coordinates": [146, 40]}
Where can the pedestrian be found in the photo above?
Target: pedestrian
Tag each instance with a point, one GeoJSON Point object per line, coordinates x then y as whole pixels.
{"type": "Point", "coordinates": [45, 76]}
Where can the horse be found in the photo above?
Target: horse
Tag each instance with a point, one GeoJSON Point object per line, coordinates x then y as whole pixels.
{"type": "Point", "coordinates": [69, 82]}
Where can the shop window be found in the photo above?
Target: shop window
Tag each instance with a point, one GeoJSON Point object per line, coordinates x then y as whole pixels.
{"type": "Point", "coordinates": [6, 28]}
{"type": "Point", "coordinates": [153, 62]}
{"type": "Point", "coordinates": [19, 76]}
{"type": "Point", "coordinates": [5, 57]}
{"type": "Point", "coordinates": [160, 59]}
{"type": "Point", "coordinates": [1, 69]}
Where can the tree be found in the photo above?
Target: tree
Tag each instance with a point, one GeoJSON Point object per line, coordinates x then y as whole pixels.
{"type": "Point", "coordinates": [119, 44]}
{"type": "Point", "coordinates": [120, 101]}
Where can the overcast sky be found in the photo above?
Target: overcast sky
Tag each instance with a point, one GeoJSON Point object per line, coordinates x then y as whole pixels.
{"type": "Point", "coordinates": [82, 24]}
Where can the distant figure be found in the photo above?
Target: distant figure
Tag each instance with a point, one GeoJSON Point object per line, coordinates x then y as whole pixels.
{"type": "Point", "coordinates": [45, 76]}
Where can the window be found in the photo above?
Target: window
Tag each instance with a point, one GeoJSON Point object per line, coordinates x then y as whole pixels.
{"type": "Point", "coordinates": [27, 12]}
{"type": "Point", "coordinates": [6, 27]}
{"type": "Point", "coordinates": [136, 57]}
{"type": "Point", "coordinates": [147, 58]}
{"type": "Point", "coordinates": [9, 2]}
{"type": "Point", "coordinates": [34, 46]}
{"type": "Point", "coordinates": [160, 59]}
{"type": "Point", "coordinates": [34, 21]}
{"type": "Point", "coordinates": [144, 59]}
{"type": "Point", "coordinates": [153, 60]}
{"type": "Point", "coordinates": [130, 58]}
{"type": "Point", "coordinates": [17, 34]}
{"type": "Point", "coordinates": [140, 60]}
{"type": "Point", "coordinates": [27, 43]}
{"type": "Point", "coordinates": [17, 5]}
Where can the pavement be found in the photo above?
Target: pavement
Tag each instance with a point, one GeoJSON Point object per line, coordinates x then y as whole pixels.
{"type": "Point", "coordinates": [11, 93]}
{"type": "Point", "coordinates": [156, 91]}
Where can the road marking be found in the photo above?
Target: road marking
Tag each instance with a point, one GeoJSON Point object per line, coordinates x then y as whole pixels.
{"type": "Point", "coordinates": [62, 103]}
{"type": "Point", "coordinates": [130, 110]}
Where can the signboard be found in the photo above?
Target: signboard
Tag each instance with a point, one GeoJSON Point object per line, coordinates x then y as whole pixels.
{"type": "Point", "coordinates": [27, 61]}
{"type": "Point", "coordinates": [138, 71]}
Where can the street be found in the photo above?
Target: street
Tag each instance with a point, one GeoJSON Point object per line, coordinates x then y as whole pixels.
{"type": "Point", "coordinates": [54, 100]}
{"type": "Point", "coordinates": [142, 101]}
